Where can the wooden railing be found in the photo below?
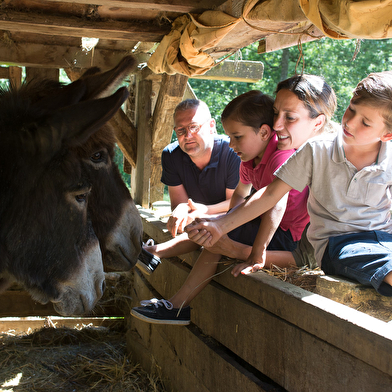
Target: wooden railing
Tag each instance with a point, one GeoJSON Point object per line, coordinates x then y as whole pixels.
{"type": "Point", "coordinates": [257, 333]}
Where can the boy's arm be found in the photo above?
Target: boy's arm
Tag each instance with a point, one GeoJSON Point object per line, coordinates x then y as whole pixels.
{"type": "Point", "coordinates": [270, 222]}
{"type": "Point", "coordinates": [207, 232]}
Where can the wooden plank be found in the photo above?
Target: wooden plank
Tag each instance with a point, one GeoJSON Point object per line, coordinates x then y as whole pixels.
{"type": "Point", "coordinates": [346, 335]}
{"type": "Point", "coordinates": [170, 95]}
{"type": "Point", "coordinates": [140, 178]}
{"type": "Point", "coordinates": [182, 6]}
{"type": "Point", "coordinates": [17, 325]}
{"type": "Point", "coordinates": [153, 226]}
{"type": "Point", "coordinates": [70, 26]}
{"type": "Point", "coordinates": [319, 316]}
{"type": "Point", "coordinates": [57, 56]}
{"type": "Point", "coordinates": [235, 71]}
{"type": "Point", "coordinates": [189, 361]}
{"type": "Point", "coordinates": [273, 345]}
{"type": "Point", "coordinates": [355, 295]}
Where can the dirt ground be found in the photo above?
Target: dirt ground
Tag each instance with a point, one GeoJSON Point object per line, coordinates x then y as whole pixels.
{"type": "Point", "coordinates": [71, 359]}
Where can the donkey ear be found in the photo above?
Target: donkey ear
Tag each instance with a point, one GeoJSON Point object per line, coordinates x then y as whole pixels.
{"type": "Point", "coordinates": [80, 121]}
{"type": "Point", "coordinates": [74, 124]}
{"type": "Point", "coordinates": [60, 97]}
{"type": "Point", "coordinates": [103, 84]}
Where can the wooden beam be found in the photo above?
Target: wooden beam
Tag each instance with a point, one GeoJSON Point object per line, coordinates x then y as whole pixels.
{"type": "Point", "coordinates": [57, 56]}
{"type": "Point", "coordinates": [235, 71]}
{"type": "Point", "coordinates": [42, 73]}
{"type": "Point", "coordinates": [140, 179]}
{"type": "Point", "coordinates": [180, 6]}
{"type": "Point", "coordinates": [67, 26]}
{"type": "Point", "coordinates": [170, 95]}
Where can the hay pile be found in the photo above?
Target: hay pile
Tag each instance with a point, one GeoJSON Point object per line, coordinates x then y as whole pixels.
{"type": "Point", "coordinates": [66, 359]}
{"type": "Point", "coordinates": [303, 277]}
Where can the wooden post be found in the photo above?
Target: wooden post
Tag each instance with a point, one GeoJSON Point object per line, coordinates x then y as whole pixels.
{"type": "Point", "coordinates": [140, 179]}
{"type": "Point", "coordinates": [170, 95]}
{"type": "Point", "coordinates": [154, 132]}
{"type": "Point", "coordinates": [15, 76]}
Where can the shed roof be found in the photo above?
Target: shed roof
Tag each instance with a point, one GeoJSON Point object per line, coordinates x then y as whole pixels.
{"type": "Point", "coordinates": [48, 33]}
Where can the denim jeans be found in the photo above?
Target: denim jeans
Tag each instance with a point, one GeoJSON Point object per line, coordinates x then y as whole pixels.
{"type": "Point", "coordinates": [365, 257]}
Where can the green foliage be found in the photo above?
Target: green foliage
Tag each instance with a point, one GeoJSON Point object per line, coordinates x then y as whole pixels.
{"type": "Point", "coordinates": [332, 59]}
{"type": "Point", "coordinates": [119, 159]}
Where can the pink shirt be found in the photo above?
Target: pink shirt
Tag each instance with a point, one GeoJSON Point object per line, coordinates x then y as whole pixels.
{"type": "Point", "coordinates": [296, 216]}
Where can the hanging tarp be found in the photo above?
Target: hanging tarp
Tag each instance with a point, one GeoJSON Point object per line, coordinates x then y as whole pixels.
{"type": "Point", "coordinates": [183, 50]}
{"type": "Point", "coordinates": [341, 19]}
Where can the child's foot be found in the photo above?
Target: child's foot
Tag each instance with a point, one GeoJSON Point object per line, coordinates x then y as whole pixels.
{"type": "Point", "coordinates": [161, 311]}
{"type": "Point", "coordinates": [147, 262]}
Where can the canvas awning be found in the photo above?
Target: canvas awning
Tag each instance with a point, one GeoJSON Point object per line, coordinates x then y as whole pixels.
{"type": "Point", "coordinates": [184, 49]}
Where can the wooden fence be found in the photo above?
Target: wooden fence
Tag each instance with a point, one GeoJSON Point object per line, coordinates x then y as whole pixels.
{"type": "Point", "coordinates": [257, 333]}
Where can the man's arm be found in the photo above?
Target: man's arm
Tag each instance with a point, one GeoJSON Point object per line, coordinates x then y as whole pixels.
{"type": "Point", "coordinates": [234, 197]}
{"type": "Point", "coordinates": [177, 195]}
{"type": "Point", "coordinates": [180, 209]}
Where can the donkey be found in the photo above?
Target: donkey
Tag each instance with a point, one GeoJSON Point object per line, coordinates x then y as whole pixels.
{"type": "Point", "coordinates": [47, 242]}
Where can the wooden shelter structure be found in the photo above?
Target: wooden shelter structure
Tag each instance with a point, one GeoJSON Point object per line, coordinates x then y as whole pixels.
{"type": "Point", "coordinates": [175, 40]}
{"type": "Point", "coordinates": [45, 36]}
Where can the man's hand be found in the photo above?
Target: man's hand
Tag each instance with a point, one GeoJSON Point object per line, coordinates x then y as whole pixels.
{"type": "Point", "coordinates": [197, 210]}
{"type": "Point", "coordinates": [178, 219]}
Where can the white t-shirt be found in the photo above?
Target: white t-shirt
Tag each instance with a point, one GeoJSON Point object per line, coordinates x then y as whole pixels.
{"type": "Point", "coordinates": [342, 200]}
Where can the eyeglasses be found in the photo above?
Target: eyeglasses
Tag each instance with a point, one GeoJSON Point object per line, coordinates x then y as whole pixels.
{"type": "Point", "coordinates": [192, 128]}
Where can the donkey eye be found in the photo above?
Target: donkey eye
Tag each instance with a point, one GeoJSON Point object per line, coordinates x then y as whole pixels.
{"type": "Point", "coordinates": [97, 157]}
{"type": "Point", "coordinates": [81, 198]}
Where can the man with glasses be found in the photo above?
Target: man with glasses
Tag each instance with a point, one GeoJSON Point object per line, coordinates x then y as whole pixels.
{"type": "Point", "coordinates": [201, 172]}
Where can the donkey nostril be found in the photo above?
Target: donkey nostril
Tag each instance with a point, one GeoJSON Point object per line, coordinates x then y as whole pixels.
{"type": "Point", "coordinates": [103, 286]}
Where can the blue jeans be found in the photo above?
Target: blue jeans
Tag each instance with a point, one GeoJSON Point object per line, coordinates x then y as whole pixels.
{"type": "Point", "coordinates": [246, 234]}
{"type": "Point", "coordinates": [365, 257]}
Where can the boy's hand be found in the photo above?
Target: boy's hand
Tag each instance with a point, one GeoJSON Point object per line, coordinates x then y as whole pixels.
{"type": "Point", "coordinates": [205, 232]}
